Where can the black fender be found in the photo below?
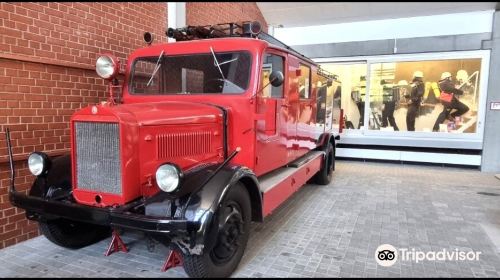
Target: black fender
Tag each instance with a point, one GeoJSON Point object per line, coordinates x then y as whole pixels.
{"type": "Point", "coordinates": [56, 183]}
{"type": "Point", "coordinates": [203, 204]}
{"type": "Point", "coordinates": [58, 178]}
{"type": "Point", "coordinates": [323, 141]}
{"type": "Point", "coordinates": [324, 138]}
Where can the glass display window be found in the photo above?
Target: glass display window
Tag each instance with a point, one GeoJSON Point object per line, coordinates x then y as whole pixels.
{"type": "Point", "coordinates": [426, 99]}
{"type": "Point", "coordinates": [406, 95]}
{"type": "Point", "coordinates": [352, 93]}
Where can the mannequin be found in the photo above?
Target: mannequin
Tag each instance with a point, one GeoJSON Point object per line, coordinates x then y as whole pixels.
{"type": "Point", "coordinates": [446, 85]}
{"type": "Point", "coordinates": [463, 83]}
{"type": "Point", "coordinates": [431, 93]}
{"type": "Point", "coordinates": [389, 101]}
{"type": "Point", "coordinates": [358, 95]}
{"type": "Point", "coordinates": [415, 96]}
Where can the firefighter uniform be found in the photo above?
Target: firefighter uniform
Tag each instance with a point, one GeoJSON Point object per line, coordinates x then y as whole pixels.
{"type": "Point", "coordinates": [446, 85]}
{"type": "Point", "coordinates": [416, 94]}
{"type": "Point", "coordinates": [390, 94]}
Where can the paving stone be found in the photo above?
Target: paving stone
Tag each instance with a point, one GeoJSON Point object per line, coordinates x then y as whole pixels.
{"type": "Point", "coordinates": [322, 231]}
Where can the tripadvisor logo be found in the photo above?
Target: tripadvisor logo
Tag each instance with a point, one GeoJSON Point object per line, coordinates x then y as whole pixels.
{"type": "Point", "coordinates": [387, 255]}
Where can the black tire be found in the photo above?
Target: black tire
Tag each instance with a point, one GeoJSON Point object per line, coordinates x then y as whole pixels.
{"type": "Point", "coordinates": [325, 174]}
{"type": "Point", "coordinates": [72, 234]}
{"type": "Point", "coordinates": [219, 261]}
{"type": "Point", "coordinates": [62, 232]}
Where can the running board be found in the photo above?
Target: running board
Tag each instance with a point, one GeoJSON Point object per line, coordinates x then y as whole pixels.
{"type": "Point", "coordinates": [280, 184]}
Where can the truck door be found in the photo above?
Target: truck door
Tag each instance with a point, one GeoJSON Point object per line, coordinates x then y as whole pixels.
{"type": "Point", "coordinates": [272, 134]}
{"type": "Point", "coordinates": [293, 106]}
{"type": "Point", "coordinates": [306, 122]}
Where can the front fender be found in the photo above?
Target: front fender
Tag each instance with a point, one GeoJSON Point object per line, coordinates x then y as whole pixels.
{"type": "Point", "coordinates": [59, 177]}
{"type": "Point", "coordinates": [203, 205]}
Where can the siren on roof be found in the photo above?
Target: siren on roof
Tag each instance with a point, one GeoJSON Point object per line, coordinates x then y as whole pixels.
{"type": "Point", "coordinates": [251, 28]}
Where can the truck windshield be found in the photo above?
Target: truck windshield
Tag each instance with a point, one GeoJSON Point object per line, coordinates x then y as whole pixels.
{"type": "Point", "coordinates": [191, 74]}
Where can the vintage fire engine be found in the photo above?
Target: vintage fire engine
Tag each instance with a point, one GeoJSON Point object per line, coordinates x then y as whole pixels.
{"type": "Point", "coordinates": [206, 135]}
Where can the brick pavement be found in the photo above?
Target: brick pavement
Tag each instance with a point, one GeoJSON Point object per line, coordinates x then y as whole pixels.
{"type": "Point", "coordinates": [324, 231]}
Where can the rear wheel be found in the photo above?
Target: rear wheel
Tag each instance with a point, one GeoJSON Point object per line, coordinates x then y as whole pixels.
{"type": "Point", "coordinates": [72, 234]}
{"type": "Point", "coordinates": [325, 174]}
{"type": "Point", "coordinates": [234, 223]}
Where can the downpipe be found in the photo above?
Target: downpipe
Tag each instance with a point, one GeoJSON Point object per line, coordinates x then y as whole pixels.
{"type": "Point", "coordinates": [12, 188]}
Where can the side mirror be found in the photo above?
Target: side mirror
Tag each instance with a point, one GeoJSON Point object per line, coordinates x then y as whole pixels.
{"type": "Point", "coordinates": [276, 78]}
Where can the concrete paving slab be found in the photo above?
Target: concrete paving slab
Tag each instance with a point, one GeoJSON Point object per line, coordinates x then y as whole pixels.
{"type": "Point", "coordinates": [324, 231]}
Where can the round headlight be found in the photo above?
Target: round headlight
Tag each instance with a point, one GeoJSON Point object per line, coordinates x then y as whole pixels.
{"type": "Point", "coordinates": [38, 163]}
{"type": "Point", "coordinates": [106, 67]}
{"type": "Point", "coordinates": [168, 177]}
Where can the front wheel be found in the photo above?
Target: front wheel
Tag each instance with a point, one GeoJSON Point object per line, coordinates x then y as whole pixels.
{"type": "Point", "coordinates": [325, 174]}
{"type": "Point", "coordinates": [72, 234]}
{"type": "Point", "coordinates": [234, 224]}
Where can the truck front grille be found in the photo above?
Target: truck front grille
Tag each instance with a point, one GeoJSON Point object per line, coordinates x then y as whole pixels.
{"type": "Point", "coordinates": [98, 166]}
{"type": "Point", "coordinates": [183, 144]}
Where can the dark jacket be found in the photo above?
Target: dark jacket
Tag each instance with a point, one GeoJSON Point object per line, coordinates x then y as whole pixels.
{"type": "Point", "coordinates": [447, 85]}
{"type": "Point", "coordinates": [417, 91]}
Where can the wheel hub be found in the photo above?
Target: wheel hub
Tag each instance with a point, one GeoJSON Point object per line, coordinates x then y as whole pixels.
{"type": "Point", "coordinates": [230, 230]}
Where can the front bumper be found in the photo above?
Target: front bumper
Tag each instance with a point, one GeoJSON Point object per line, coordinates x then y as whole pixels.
{"type": "Point", "coordinates": [38, 208]}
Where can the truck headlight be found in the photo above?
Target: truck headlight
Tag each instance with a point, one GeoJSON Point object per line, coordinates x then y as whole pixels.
{"type": "Point", "coordinates": [38, 163]}
{"type": "Point", "coordinates": [168, 177]}
{"type": "Point", "coordinates": [106, 66]}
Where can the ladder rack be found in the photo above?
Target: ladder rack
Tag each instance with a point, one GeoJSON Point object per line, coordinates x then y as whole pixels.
{"type": "Point", "coordinates": [250, 29]}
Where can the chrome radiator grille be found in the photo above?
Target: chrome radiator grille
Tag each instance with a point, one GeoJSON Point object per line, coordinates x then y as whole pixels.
{"type": "Point", "coordinates": [98, 166]}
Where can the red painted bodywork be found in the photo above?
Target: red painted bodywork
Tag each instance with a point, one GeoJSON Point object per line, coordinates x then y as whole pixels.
{"type": "Point", "coordinates": [270, 132]}
{"type": "Point", "coordinates": [277, 195]}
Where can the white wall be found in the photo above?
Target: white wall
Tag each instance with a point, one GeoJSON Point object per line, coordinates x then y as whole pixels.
{"type": "Point", "coordinates": [176, 16]}
{"type": "Point", "coordinates": [438, 25]}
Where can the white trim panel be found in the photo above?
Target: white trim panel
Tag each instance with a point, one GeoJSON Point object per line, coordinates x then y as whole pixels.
{"type": "Point", "coordinates": [410, 27]}
{"type": "Point", "coordinates": [472, 160]}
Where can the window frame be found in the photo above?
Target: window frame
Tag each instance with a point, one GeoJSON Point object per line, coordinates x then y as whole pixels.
{"type": "Point", "coordinates": [136, 59]}
{"type": "Point", "coordinates": [275, 53]}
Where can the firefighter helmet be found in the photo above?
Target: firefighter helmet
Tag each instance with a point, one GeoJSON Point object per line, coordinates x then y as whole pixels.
{"type": "Point", "coordinates": [418, 74]}
{"type": "Point", "coordinates": [445, 75]}
{"type": "Point", "coordinates": [462, 75]}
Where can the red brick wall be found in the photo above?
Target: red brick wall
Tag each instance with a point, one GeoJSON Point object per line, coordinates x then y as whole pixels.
{"type": "Point", "coordinates": [205, 13]}
{"type": "Point", "coordinates": [38, 89]}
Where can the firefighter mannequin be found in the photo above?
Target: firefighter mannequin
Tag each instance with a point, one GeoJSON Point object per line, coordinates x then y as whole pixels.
{"type": "Point", "coordinates": [463, 82]}
{"type": "Point", "coordinates": [446, 85]}
{"type": "Point", "coordinates": [358, 95]}
{"type": "Point", "coordinates": [389, 101]}
{"type": "Point", "coordinates": [415, 99]}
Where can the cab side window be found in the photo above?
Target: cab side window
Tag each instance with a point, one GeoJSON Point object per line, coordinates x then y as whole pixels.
{"type": "Point", "coordinates": [271, 63]}
{"type": "Point", "coordinates": [305, 82]}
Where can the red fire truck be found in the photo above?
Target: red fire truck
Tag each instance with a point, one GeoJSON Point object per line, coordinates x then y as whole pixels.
{"type": "Point", "coordinates": [206, 135]}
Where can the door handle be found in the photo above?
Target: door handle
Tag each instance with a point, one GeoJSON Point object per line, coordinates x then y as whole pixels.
{"type": "Point", "coordinates": [285, 105]}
